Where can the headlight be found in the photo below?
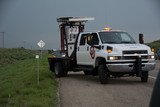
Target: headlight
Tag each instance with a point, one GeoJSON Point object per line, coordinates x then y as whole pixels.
{"type": "Point", "coordinates": [151, 57]}
{"type": "Point", "coordinates": [113, 57]}
{"type": "Point", "coordinates": [63, 55]}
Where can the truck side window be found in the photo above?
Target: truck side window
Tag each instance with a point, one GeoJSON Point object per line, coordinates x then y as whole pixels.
{"type": "Point", "coordinates": [95, 40]}
{"type": "Point", "coordinates": [89, 39]}
{"type": "Point", "coordinates": [92, 39]}
{"type": "Point", "coordinates": [83, 39]}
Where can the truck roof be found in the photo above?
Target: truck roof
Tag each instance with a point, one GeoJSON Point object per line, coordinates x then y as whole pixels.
{"type": "Point", "coordinates": [74, 19]}
{"type": "Point", "coordinates": [103, 31]}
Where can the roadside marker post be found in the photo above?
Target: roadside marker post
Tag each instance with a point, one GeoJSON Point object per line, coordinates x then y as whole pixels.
{"type": "Point", "coordinates": [37, 57]}
{"type": "Point", "coordinates": [41, 44]}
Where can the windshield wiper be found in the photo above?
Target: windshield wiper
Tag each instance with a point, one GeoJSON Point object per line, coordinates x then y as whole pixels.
{"type": "Point", "coordinates": [110, 42]}
{"type": "Point", "coordinates": [126, 42]}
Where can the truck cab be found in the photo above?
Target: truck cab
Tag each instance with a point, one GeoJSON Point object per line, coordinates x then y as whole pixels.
{"type": "Point", "coordinates": [113, 46]}
{"type": "Point", "coordinates": [116, 51]}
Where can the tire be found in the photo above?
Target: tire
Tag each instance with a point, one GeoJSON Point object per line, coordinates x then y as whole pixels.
{"type": "Point", "coordinates": [144, 77]}
{"type": "Point", "coordinates": [86, 72]}
{"type": "Point", "coordinates": [58, 70]}
{"type": "Point", "coordinates": [102, 71]}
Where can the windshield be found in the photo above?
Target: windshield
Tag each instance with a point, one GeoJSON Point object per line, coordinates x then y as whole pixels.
{"type": "Point", "coordinates": [116, 38]}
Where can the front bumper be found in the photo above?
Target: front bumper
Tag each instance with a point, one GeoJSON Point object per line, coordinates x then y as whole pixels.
{"type": "Point", "coordinates": [129, 67]}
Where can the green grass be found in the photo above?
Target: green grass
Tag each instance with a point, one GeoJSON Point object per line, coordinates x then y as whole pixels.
{"type": "Point", "coordinates": [18, 85]}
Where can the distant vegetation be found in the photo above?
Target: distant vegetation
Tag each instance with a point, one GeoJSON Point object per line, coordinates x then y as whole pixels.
{"type": "Point", "coordinates": [9, 56]}
{"type": "Point", "coordinates": [155, 45]}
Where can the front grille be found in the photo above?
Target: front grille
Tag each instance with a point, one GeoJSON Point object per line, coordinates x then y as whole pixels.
{"type": "Point", "coordinates": [135, 52]}
{"type": "Point", "coordinates": [127, 55]}
{"type": "Point", "coordinates": [133, 57]}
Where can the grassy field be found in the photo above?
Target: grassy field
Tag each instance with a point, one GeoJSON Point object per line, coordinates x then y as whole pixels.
{"type": "Point", "coordinates": [18, 84]}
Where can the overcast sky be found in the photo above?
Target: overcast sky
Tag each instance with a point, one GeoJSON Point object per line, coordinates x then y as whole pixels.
{"type": "Point", "coordinates": [26, 22]}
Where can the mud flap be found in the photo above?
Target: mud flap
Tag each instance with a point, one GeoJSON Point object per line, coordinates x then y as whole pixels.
{"type": "Point", "coordinates": [138, 66]}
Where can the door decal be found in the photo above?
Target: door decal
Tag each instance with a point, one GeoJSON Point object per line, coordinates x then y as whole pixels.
{"type": "Point", "coordinates": [92, 52]}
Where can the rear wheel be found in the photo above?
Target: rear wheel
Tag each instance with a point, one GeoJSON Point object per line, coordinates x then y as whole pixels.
{"type": "Point", "coordinates": [58, 69]}
{"type": "Point", "coordinates": [144, 77]}
{"type": "Point", "coordinates": [103, 74]}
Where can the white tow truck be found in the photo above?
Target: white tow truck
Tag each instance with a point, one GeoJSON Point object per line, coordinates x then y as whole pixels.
{"type": "Point", "coordinates": [107, 53]}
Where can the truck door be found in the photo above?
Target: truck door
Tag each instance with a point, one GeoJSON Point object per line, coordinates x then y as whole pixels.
{"type": "Point", "coordinates": [92, 41]}
{"type": "Point", "coordinates": [85, 49]}
{"type": "Point", "coordinates": [82, 50]}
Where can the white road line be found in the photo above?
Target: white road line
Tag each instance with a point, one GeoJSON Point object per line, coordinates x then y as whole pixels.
{"type": "Point", "coordinates": [152, 77]}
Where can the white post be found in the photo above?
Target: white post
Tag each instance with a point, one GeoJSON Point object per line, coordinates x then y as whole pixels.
{"type": "Point", "coordinates": [37, 57]}
{"type": "Point", "coordinates": [41, 53]}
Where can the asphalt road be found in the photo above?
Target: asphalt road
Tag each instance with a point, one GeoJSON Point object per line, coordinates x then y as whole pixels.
{"type": "Point", "coordinates": [78, 90]}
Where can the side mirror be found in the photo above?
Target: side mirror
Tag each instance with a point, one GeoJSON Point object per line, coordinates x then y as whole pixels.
{"type": "Point", "coordinates": [98, 46]}
{"type": "Point", "coordinates": [141, 39]}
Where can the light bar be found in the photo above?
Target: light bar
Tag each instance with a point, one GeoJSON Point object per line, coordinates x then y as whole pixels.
{"type": "Point", "coordinates": [107, 29]}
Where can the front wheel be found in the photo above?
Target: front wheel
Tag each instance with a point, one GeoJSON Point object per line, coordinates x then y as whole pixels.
{"type": "Point", "coordinates": [144, 77]}
{"type": "Point", "coordinates": [102, 71]}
